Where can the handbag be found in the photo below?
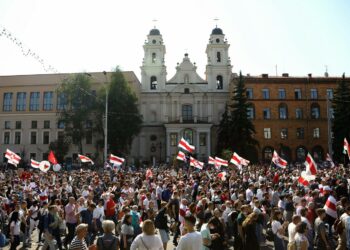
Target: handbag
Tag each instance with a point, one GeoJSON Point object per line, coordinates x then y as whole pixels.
{"type": "Point", "coordinates": [144, 243]}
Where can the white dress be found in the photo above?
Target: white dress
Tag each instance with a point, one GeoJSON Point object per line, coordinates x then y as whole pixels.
{"type": "Point", "coordinates": [147, 242]}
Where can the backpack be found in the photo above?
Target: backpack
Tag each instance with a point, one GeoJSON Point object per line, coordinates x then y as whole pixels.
{"type": "Point", "coordinates": [157, 221]}
{"type": "Point", "coordinates": [103, 243]}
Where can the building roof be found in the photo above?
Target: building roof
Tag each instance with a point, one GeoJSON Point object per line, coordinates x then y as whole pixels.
{"type": "Point", "coordinates": [154, 32]}
{"type": "Point", "coordinates": [217, 31]}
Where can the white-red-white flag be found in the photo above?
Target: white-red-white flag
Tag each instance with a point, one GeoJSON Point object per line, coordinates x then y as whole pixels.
{"type": "Point", "coordinates": [331, 207]}
{"type": "Point", "coordinates": [116, 160]}
{"type": "Point", "coordinates": [12, 158]}
{"type": "Point", "coordinates": [44, 166]}
{"type": "Point", "coordinates": [85, 159]}
{"type": "Point", "coordinates": [222, 175]}
{"type": "Point", "coordinates": [34, 164]}
{"type": "Point", "coordinates": [238, 160]}
{"type": "Point", "coordinates": [311, 166]}
{"type": "Point", "coordinates": [195, 163]}
{"type": "Point", "coordinates": [220, 162]}
{"type": "Point", "coordinates": [211, 161]}
{"type": "Point", "coordinates": [329, 159]}
{"type": "Point", "coordinates": [186, 146]}
{"type": "Point", "coordinates": [278, 161]}
{"type": "Point", "coordinates": [305, 178]}
{"type": "Point", "coordinates": [181, 156]}
{"type": "Point", "coordinates": [346, 147]}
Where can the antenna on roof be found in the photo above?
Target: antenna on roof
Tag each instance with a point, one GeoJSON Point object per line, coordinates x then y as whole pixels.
{"type": "Point", "coordinates": [154, 22]}
{"type": "Point", "coordinates": [216, 21]}
{"type": "Point", "coordinates": [326, 72]}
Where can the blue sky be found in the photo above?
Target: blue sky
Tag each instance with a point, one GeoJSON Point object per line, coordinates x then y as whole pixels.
{"type": "Point", "coordinates": [299, 36]}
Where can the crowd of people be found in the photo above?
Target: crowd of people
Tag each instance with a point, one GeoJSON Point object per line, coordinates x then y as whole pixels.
{"type": "Point", "coordinates": [182, 207]}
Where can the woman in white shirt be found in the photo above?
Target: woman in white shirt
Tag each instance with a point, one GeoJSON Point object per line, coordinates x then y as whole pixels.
{"type": "Point", "coordinates": [278, 230]}
{"type": "Point", "coordinates": [15, 229]}
{"type": "Point", "coordinates": [147, 240]}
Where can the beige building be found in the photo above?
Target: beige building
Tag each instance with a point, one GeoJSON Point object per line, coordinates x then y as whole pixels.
{"type": "Point", "coordinates": [28, 120]}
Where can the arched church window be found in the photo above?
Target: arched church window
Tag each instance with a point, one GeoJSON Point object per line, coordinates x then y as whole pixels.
{"type": "Point", "coordinates": [218, 56]}
{"type": "Point", "coordinates": [153, 82]}
{"type": "Point", "coordinates": [219, 82]}
{"type": "Point", "coordinates": [186, 79]}
{"type": "Point", "coordinates": [153, 57]}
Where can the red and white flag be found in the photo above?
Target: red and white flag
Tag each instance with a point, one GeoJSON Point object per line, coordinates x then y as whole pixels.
{"type": "Point", "coordinates": [181, 156]}
{"type": "Point", "coordinates": [331, 207]}
{"type": "Point", "coordinates": [149, 173]}
{"type": "Point", "coordinates": [44, 166]}
{"type": "Point", "coordinates": [186, 146]}
{"type": "Point", "coordinates": [278, 161]}
{"type": "Point", "coordinates": [195, 163]}
{"type": "Point", "coordinates": [346, 147]}
{"type": "Point", "coordinates": [222, 175]}
{"type": "Point", "coordinates": [34, 164]}
{"type": "Point", "coordinates": [85, 159]}
{"type": "Point", "coordinates": [238, 161]}
{"type": "Point", "coordinates": [329, 159]}
{"type": "Point", "coordinates": [220, 162]}
{"type": "Point", "coordinates": [211, 161]}
{"type": "Point", "coordinates": [311, 166]}
{"type": "Point", "coordinates": [305, 178]}
{"type": "Point", "coordinates": [116, 160]}
{"type": "Point", "coordinates": [12, 158]}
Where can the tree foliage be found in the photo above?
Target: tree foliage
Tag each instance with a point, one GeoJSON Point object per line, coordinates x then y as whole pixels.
{"type": "Point", "coordinates": [236, 130]}
{"type": "Point", "coordinates": [60, 147]}
{"type": "Point", "coordinates": [341, 122]}
{"type": "Point", "coordinates": [124, 119]}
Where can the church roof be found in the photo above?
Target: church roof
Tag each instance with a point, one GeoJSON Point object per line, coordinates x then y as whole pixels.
{"type": "Point", "coordinates": [217, 31]}
{"type": "Point", "coordinates": [154, 32]}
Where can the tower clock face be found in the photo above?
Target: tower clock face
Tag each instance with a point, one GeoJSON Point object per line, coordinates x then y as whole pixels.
{"type": "Point", "coordinates": [154, 41]}
{"type": "Point", "coordinates": [217, 40]}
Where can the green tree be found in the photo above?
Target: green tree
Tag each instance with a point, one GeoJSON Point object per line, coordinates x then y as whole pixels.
{"type": "Point", "coordinates": [124, 119]}
{"type": "Point", "coordinates": [78, 113]}
{"type": "Point", "coordinates": [341, 121]}
{"type": "Point", "coordinates": [236, 130]}
{"type": "Point", "coordinates": [60, 147]}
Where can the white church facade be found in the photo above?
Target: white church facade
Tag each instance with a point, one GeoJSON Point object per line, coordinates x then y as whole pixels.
{"type": "Point", "coordinates": [184, 105]}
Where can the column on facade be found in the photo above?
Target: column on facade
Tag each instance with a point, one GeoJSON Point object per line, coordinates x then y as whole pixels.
{"type": "Point", "coordinates": [210, 108]}
{"type": "Point", "coordinates": [195, 111]}
{"type": "Point", "coordinates": [208, 143]}
{"type": "Point", "coordinates": [167, 145]}
{"type": "Point", "coordinates": [179, 109]}
{"type": "Point", "coordinates": [197, 140]}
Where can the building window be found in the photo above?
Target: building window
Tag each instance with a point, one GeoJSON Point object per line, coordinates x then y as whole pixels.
{"type": "Point", "coordinates": [62, 101]}
{"type": "Point", "coordinates": [17, 137]}
{"type": "Point", "coordinates": [218, 56]}
{"type": "Point", "coordinates": [45, 156]}
{"type": "Point", "coordinates": [283, 111]}
{"type": "Point", "coordinates": [266, 94]}
{"type": "Point", "coordinates": [202, 139]}
{"type": "Point", "coordinates": [46, 124]}
{"type": "Point", "coordinates": [88, 124]}
{"type": "Point", "coordinates": [186, 90]}
{"type": "Point", "coordinates": [266, 113]}
{"type": "Point", "coordinates": [7, 138]}
{"type": "Point", "coordinates": [267, 133]}
{"type": "Point", "coordinates": [7, 104]}
{"type": "Point", "coordinates": [32, 156]}
{"type": "Point", "coordinates": [330, 93]}
{"type": "Point", "coordinates": [88, 137]}
{"type": "Point", "coordinates": [284, 133]}
{"type": "Point", "coordinates": [153, 82]}
{"type": "Point", "coordinates": [331, 113]}
{"type": "Point", "coordinates": [249, 93]}
{"type": "Point", "coordinates": [298, 113]}
{"type": "Point", "coordinates": [60, 124]}
{"type": "Point", "coordinates": [301, 153]}
{"type": "Point", "coordinates": [315, 111]}
{"type": "Point", "coordinates": [187, 112]}
{"type": "Point", "coordinates": [313, 94]}
{"type": "Point", "coordinates": [33, 137]}
{"type": "Point", "coordinates": [300, 133]}
{"type": "Point", "coordinates": [188, 135]}
{"type": "Point", "coordinates": [316, 133]}
{"type": "Point", "coordinates": [18, 125]}
{"type": "Point", "coordinates": [154, 57]}
{"type": "Point", "coordinates": [250, 112]}
{"type": "Point", "coordinates": [267, 153]}
{"type": "Point", "coordinates": [219, 82]}
{"type": "Point", "coordinates": [173, 139]}
{"type": "Point", "coordinates": [21, 101]}
{"type": "Point", "coordinates": [60, 135]}
{"type": "Point", "coordinates": [186, 78]}
{"type": "Point", "coordinates": [34, 124]}
{"type": "Point", "coordinates": [297, 94]}
{"type": "Point", "coordinates": [46, 137]}
{"type": "Point", "coordinates": [48, 98]}
{"type": "Point", "coordinates": [281, 94]}
{"type": "Point", "coordinates": [34, 101]}
{"type": "Point", "coordinates": [7, 124]}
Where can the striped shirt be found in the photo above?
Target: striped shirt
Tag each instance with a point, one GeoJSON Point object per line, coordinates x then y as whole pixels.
{"type": "Point", "coordinates": [77, 244]}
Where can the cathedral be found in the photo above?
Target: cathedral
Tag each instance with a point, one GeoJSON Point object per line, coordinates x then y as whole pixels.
{"type": "Point", "coordinates": [184, 105]}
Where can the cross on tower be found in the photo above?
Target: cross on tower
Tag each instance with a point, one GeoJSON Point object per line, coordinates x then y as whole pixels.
{"type": "Point", "coordinates": [154, 21]}
{"type": "Point", "coordinates": [216, 21]}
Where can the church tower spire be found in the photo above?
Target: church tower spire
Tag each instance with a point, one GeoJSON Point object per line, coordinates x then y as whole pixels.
{"type": "Point", "coordinates": [153, 69]}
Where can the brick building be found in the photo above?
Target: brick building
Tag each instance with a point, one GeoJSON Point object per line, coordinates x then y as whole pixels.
{"type": "Point", "coordinates": [290, 114]}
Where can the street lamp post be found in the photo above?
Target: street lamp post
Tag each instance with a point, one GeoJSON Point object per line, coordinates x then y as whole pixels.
{"type": "Point", "coordinates": [106, 120]}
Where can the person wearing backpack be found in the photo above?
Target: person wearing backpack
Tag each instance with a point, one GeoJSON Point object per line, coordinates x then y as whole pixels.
{"type": "Point", "coordinates": [108, 241]}
{"type": "Point", "coordinates": [161, 222]}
